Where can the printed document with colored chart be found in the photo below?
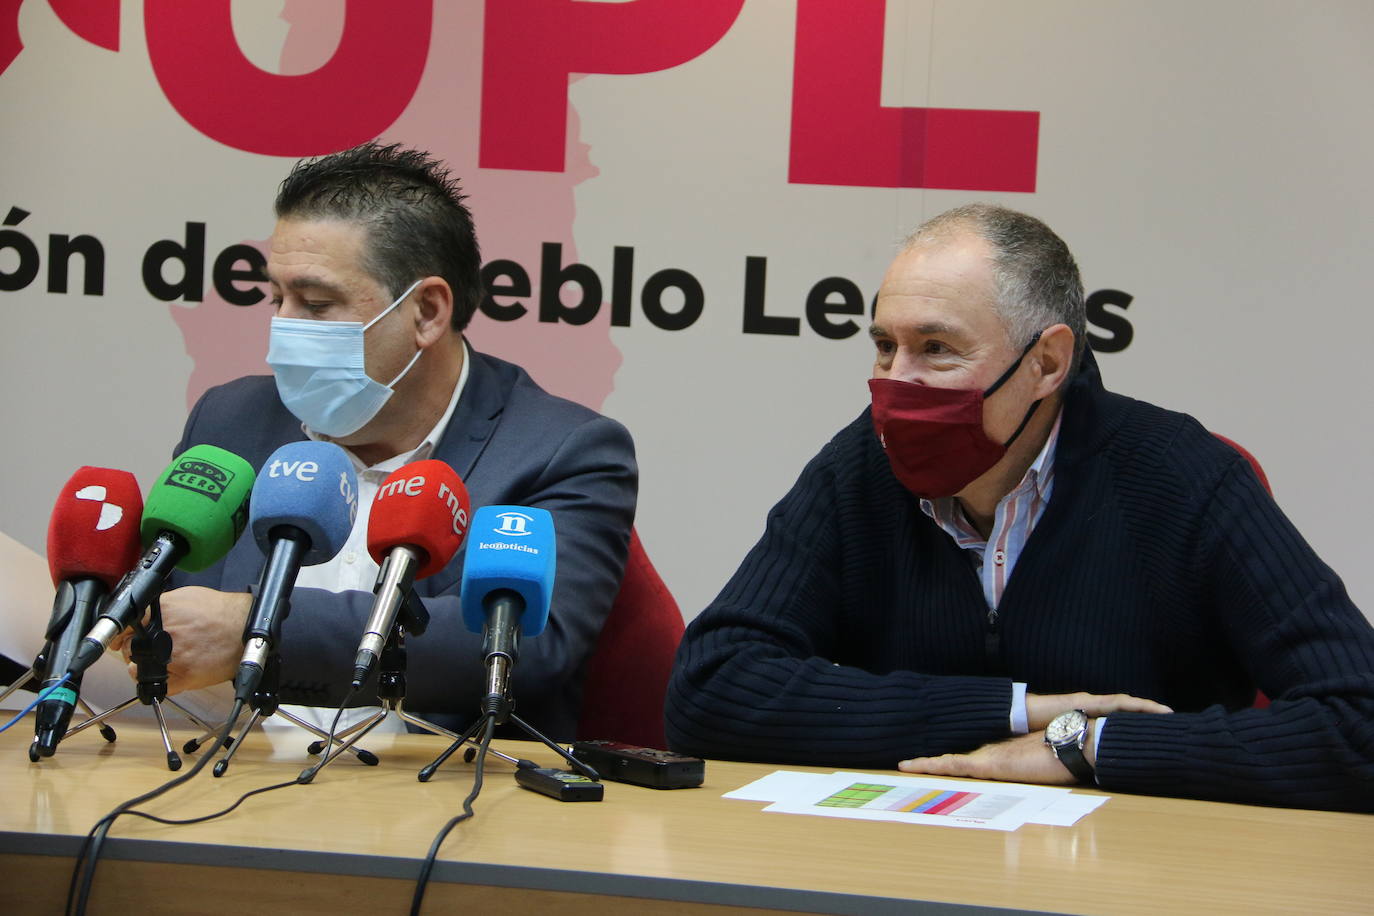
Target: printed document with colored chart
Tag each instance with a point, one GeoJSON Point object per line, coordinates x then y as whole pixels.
{"type": "Point", "coordinates": [914, 799]}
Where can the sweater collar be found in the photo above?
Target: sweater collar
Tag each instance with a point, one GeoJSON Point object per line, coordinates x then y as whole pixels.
{"type": "Point", "coordinates": [1091, 416]}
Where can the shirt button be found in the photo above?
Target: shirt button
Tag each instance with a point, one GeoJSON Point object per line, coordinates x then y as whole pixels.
{"type": "Point", "coordinates": [351, 557]}
{"type": "Point", "coordinates": [999, 557]}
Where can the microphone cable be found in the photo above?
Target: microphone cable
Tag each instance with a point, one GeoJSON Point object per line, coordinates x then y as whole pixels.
{"type": "Point", "coordinates": [79, 889]}
{"type": "Point", "coordinates": [428, 866]}
{"type": "Point", "coordinates": [38, 699]}
{"type": "Point", "coordinates": [308, 774]}
{"type": "Point", "coordinates": [94, 843]}
{"type": "Point", "coordinates": [334, 723]}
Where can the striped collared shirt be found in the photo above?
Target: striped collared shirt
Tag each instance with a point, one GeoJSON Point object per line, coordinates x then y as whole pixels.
{"type": "Point", "coordinates": [1012, 523]}
{"type": "Point", "coordinates": [1015, 517]}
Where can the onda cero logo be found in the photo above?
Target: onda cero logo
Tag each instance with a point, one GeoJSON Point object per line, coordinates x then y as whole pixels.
{"type": "Point", "coordinates": [204, 477]}
{"type": "Point", "coordinates": [514, 523]}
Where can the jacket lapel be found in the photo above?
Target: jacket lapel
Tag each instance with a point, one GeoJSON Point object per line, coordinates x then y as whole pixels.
{"type": "Point", "coordinates": [474, 419]}
{"type": "Point", "coordinates": [469, 430]}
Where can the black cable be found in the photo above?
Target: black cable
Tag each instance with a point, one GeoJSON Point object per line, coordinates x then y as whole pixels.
{"type": "Point", "coordinates": [127, 808]}
{"type": "Point", "coordinates": [338, 713]}
{"type": "Point", "coordinates": [209, 817]}
{"type": "Point", "coordinates": [308, 774]}
{"type": "Point", "coordinates": [95, 838]}
{"type": "Point", "coordinates": [245, 796]}
{"type": "Point", "coordinates": [428, 866]}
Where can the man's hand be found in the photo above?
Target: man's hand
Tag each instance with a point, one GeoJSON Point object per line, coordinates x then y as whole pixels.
{"type": "Point", "coordinates": [206, 627]}
{"type": "Point", "coordinates": [1026, 758]}
{"type": "Point", "coordinates": [1041, 708]}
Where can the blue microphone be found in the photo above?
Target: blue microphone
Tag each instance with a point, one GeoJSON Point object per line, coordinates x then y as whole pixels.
{"type": "Point", "coordinates": [508, 573]}
{"type": "Point", "coordinates": [304, 503]}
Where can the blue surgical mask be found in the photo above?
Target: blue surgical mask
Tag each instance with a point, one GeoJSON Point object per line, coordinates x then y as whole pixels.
{"type": "Point", "coordinates": [321, 374]}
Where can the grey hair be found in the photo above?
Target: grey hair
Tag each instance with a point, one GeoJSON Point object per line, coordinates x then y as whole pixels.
{"type": "Point", "coordinates": [1037, 280]}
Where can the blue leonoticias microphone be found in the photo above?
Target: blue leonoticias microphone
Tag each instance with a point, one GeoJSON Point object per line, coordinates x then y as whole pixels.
{"type": "Point", "coordinates": [508, 574]}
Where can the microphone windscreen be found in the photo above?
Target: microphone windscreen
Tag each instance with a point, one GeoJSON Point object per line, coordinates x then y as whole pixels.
{"type": "Point", "coordinates": [423, 505]}
{"type": "Point", "coordinates": [310, 486]}
{"type": "Point", "coordinates": [93, 532]}
{"type": "Point", "coordinates": [512, 547]}
{"type": "Point", "coordinates": [203, 497]}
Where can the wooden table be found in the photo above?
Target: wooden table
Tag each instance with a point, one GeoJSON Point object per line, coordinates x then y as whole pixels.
{"type": "Point", "coordinates": [352, 842]}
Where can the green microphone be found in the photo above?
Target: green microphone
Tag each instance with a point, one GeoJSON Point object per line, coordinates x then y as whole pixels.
{"type": "Point", "coordinates": [201, 502]}
{"type": "Point", "coordinates": [194, 513]}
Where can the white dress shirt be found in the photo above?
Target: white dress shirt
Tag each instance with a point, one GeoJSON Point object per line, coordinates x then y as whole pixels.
{"type": "Point", "coordinates": [352, 568]}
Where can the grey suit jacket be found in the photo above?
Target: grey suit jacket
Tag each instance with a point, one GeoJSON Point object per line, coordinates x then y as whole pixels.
{"type": "Point", "coordinates": [512, 443]}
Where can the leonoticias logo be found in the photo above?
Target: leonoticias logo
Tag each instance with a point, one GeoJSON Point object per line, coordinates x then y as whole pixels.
{"type": "Point", "coordinates": [514, 524]}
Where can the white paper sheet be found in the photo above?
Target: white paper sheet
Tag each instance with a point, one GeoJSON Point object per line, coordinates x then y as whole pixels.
{"type": "Point", "coordinates": [26, 594]}
{"type": "Point", "coordinates": [919, 800]}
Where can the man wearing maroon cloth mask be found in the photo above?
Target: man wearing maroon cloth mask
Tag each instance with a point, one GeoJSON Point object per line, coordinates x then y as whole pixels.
{"type": "Point", "coordinates": [1001, 570]}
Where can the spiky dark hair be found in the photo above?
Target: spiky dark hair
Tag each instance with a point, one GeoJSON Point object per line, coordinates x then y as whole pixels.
{"type": "Point", "coordinates": [412, 211]}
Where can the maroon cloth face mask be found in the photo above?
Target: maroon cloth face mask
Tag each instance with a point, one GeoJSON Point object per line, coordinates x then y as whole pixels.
{"type": "Point", "coordinates": [934, 437]}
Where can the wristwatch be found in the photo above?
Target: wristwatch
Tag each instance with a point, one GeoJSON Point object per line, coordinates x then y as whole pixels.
{"type": "Point", "coordinates": [1066, 734]}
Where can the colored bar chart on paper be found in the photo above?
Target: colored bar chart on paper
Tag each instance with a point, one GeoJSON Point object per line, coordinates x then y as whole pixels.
{"type": "Point", "coordinates": [917, 800]}
{"type": "Point", "coordinates": [879, 797]}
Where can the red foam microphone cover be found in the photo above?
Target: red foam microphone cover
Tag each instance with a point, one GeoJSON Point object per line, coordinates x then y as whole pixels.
{"type": "Point", "coordinates": [423, 505]}
{"type": "Point", "coordinates": [93, 532]}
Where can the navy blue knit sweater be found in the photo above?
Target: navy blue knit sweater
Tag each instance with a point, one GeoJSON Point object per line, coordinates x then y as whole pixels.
{"type": "Point", "coordinates": [856, 632]}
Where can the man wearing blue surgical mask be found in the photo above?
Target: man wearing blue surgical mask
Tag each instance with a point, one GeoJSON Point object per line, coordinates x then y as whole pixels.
{"type": "Point", "coordinates": [325, 370]}
{"type": "Point", "coordinates": [374, 270]}
{"type": "Point", "coordinates": [321, 367]}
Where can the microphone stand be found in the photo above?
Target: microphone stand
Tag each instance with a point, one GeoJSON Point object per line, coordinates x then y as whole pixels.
{"type": "Point", "coordinates": [150, 650]}
{"type": "Point", "coordinates": [266, 702]}
{"type": "Point", "coordinates": [40, 663]}
{"type": "Point", "coordinates": [72, 608]}
{"type": "Point", "coordinates": [502, 642]}
{"type": "Point", "coordinates": [391, 688]}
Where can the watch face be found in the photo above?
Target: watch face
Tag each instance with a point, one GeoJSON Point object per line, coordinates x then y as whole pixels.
{"type": "Point", "coordinates": [1065, 727]}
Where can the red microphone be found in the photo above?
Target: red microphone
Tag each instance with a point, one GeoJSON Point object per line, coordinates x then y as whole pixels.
{"type": "Point", "coordinates": [92, 542]}
{"type": "Point", "coordinates": [418, 521]}
{"type": "Point", "coordinates": [93, 532]}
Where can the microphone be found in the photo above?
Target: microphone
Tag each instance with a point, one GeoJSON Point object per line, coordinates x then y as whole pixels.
{"type": "Point", "coordinates": [418, 520]}
{"type": "Point", "coordinates": [195, 512]}
{"type": "Point", "coordinates": [508, 574]}
{"type": "Point", "coordinates": [304, 504]}
{"type": "Point", "coordinates": [92, 540]}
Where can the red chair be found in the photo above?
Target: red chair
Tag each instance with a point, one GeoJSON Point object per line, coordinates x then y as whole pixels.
{"type": "Point", "coordinates": [627, 676]}
{"type": "Point", "coordinates": [1261, 700]}
{"type": "Point", "coordinates": [1254, 463]}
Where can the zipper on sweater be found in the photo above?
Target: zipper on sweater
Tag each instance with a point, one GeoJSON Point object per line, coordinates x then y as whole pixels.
{"type": "Point", "coordinates": [992, 641]}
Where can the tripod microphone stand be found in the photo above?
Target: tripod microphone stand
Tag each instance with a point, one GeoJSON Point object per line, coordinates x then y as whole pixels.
{"type": "Point", "coordinates": [150, 650]}
{"type": "Point", "coordinates": [498, 707]}
{"type": "Point", "coordinates": [266, 702]}
{"type": "Point", "coordinates": [40, 663]}
{"type": "Point", "coordinates": [73, 606]}
{"type": "Point", "coordinates": [413, 618]}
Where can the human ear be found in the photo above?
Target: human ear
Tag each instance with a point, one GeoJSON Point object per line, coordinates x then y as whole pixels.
{"type": "Point", "coordinates": [434, 310]}
{"type": "Point", "coordinates": [1053, 356]}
